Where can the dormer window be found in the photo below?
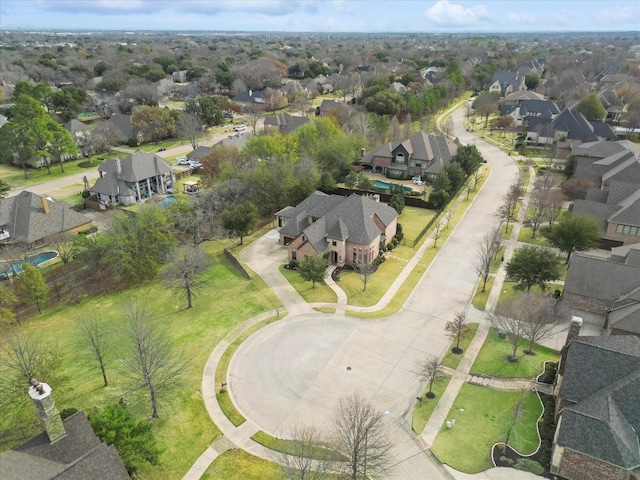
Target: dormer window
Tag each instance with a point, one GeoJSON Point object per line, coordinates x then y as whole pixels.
{"type": "Point", "coordinates": [400, 158]}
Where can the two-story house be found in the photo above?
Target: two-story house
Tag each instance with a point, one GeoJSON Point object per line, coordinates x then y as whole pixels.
{"type": "Point", "coordinates": [420, 155]}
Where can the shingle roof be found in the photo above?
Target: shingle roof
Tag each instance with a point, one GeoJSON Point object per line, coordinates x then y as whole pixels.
{"type": "Point", "coordinates": [23, 216]}
{"type": "Point", "coordinates": [576, 126]}
{"type": "Point", "coordinates": [600, 278]}
{"type": "Point", "coordinates": [602, 383]}
{"type": "Point", "coordinates": [77, 456]}
{"type": "Point", "coordinates": [136, 166]}
{"type": "Point", "coordinates": [340, 218]}
{"type": "Point", "coordinates": [285, 122]}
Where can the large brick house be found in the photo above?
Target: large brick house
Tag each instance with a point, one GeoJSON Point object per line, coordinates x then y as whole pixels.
{"type": "Point", "coordinates": [420, 155]}
{"type": "Point", "coordinates": [348, 230]}
{"type": "Point", "coordinates": [598, 420]}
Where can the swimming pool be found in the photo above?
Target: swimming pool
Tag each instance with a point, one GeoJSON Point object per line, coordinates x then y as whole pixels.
{"type": "Point", "coordinates": [166, 202]}
{"type": "Point", "coordinates": [387, 185]}
{"type": "Point", "coordinates": [15, 266]}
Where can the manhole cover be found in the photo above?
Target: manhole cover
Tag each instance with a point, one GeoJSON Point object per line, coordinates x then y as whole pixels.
{"type": "Point", "coordinates": [348, 368]}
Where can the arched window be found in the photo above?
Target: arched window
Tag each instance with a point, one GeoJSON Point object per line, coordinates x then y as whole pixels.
{"type": "Point", "coordinates": [400, 157]}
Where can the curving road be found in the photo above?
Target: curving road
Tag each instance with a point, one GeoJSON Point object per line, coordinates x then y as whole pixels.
{"type": "Point", "coordinates": [296, 370]}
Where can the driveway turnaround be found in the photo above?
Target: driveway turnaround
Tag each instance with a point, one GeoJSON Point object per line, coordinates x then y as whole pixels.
{"type": "Point", "coordinates": [297, 369]}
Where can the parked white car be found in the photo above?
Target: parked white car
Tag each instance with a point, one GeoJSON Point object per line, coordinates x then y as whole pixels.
{"type": "Point", "coordinates": [195, 164]}
{"type": "Point", "coordinates": [239, 128]}
{"type": "Point", "coordinates": [182, 161]}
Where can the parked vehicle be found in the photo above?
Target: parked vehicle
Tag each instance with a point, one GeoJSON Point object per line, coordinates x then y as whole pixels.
{"type": "Point", "coordinates": [239, 128]}
{"type": "Point", "coordinates": [182, 161]}
{"type": "Point", "coordinates": [195, 164]}
{"type": "Point", "coordinates": [228, 116]}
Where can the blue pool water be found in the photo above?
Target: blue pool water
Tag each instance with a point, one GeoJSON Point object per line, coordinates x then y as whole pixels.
{"type": "Point", "coordinates": [15, 266]}
{"type": "Point", "coordinates": [387, 185]}
{"type": "Point", "coordinates": [166, 202]}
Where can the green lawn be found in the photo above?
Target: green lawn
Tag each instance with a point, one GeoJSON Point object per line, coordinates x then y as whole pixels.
{"type": "Point", "coordinates": [491, 359]}
{"type": "Point", "coordinates": [480, 298]}
{"type": "Point", "coordinates": [525, 235]}
{"type": "Point", "coordinates": [321, 293]}
{"type": "Point", "coordinates": [413, 221]}
{"type": "Point", "coordinates": [240, 465]}
{"type": "Point", "coordinates": [421, 414]}
{"type": "Point", "coordinates": [485, 420]}
{"type": "Point", "coordinates": [452, 360]}
{"type": "Point", "coordinates": [184, 429]}
{"type": "Point", "coordinates": [509, 288]}
{"type": "Point", "coordinates": [14, 176]}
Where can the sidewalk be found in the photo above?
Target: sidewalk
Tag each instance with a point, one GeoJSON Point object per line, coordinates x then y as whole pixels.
{"type": "Point", "coordinates": [461, 375]}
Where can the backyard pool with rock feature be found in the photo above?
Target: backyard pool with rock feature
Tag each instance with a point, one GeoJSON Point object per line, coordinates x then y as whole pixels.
{"type": "Point", "coordinates": [15, 266]}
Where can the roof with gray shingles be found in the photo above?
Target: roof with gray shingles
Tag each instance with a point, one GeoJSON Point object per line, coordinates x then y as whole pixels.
{"type": "Point", "coordinates": [136, 166]}
{"type": "Point", "coordinates": [74, 125]}
{"type": "Point", "coordinates": [420, 147]}
{"type": "Point", "coordinates": [600, 278]}
{"type": "Point", "coordinates": [626, 318]}
{"type": "Point", "coordinates": [285, 122]}
{"type": "Point", "coordinates": [77, 456]}
{"type": "Point", "coordinates": [602, 378]}
{"type": "Point", "coordinates": [23, 216]}
{"type": "Point", "coordinates": [339, 218]}
{"type": "Point", "coordinates": [600, 211]}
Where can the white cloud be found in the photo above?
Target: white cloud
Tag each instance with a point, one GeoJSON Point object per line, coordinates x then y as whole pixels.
{"type": "Point", "coordinates": [446, 13]}
{"type": "Point", "coordinates": [522, 19]}
{"type": "Point", "coordinates": [621, 14]}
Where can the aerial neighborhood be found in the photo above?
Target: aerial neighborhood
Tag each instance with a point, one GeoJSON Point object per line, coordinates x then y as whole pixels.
{"type": "Point", "coordinates": [312, 255]}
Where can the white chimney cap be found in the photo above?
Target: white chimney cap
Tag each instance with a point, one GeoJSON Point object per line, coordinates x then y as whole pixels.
{"type": "Point", "coordinates": [576, 320]}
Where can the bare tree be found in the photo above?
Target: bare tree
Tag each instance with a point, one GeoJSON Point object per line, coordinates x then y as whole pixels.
{"type": "Point", "coordinates": [189, 126]}
{"type": "Point", "coordinates": [513, 420]}
{"type": "Point", "coordinates": [25, 354]}
{"type": "Point", "coordinates": [536, 213]}
{"type": "Point", "coordinates": [364, 271]}
{"type": "Point", "coordinates": [103, 135]}
{"type": "Point", "coordinates": [555, 200]}
{"type": "Point", "coordinates": [182, 273]}
{"type": "Point", "coordinates": [361, 436]}
{"type": "Point", "coordinates": [436, 233]}
{"type": "Point", "coordinates": [455, 329]}
{"type": "Point", "coordinates": [507, 210]}
{"type": "Point", "coordinates": [449, 215]}
{"type": "Point", "coordinates": [476, 177]}
{"type": "Point", "coordinates": [428, 370]}
{"type": "Point", "coordinates": [254, 113]}
{"type": "Point", "coordinates": [487, 251]}
{"type": "Point", "coordinates": [96, 340]}
{"type": "Point", "coordinates": [541, 316]}
{"type": "Point", "coordinates": [63, 244]}
{"type": "Point", "coordinates": [150, 362]}
{"type": "Point", "coordinates": [309, 457]}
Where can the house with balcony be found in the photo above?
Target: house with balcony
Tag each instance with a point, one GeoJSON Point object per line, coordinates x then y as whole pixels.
{"type": "Point", "coordinates": [131, 180]}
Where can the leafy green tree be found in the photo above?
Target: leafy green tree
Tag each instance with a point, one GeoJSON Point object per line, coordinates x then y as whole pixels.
{"type": "Point", "coordinates": [30, 286]}
{"type": "Point", "coordinates": [313, 268]}
{"type": "Point", "coordinates": [442, 181]}
{"type": "Point", "coordinates": [438, 199]}
{"type": "Point", "coordinates": [531, 80]}
{"type": "Point", "coordinates": [397, 203]}
{"type": "Point", "coordinates": [68, 101]}
{"type": "Point", "coordinates": [7, 301]}
{"type": "Point", "coordinates": [156, 123]}
{"type": "Point", "coordinates": [136, 245]}
{"type": "Point", "coordinates": [365, 183]}
{"type": "Point", "coordinates": [39, 92]}
{"type": "Point", "coordinates": [574, 233]}
{"type": "Point", "coordinates": [351, 180]}
{"type": "Point", "coordinates": [4, 189]}
{"type": "Point", "coordinates": [469, 158]}
{"type": "Point", "coordinates": [62, 146]}
{"type": "Point", "coordinates": [134, 440]}
{"type": "Point", "coordinates": [456, 176]}
{"type": "Point", "coordinates": [385, 102]}
{"type": "Point", "coordinates": [240, 219]}
{"type": "Point", "coordinates": [532, 265]}
{"type": "Point", "coordinates": [591, 107]}
{"type": "Point", "coordinates": [454, 72]}
{"type": "Point", "coordinates": [207, 109]}
{"type": "Point", "coordinates": [99, 68]}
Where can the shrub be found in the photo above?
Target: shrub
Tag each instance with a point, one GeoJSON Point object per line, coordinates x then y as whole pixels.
{"type": "Point", "coordinates": [132, 142]}
{"type": "Point", "coordinates": [67, 412]}
{"type": "Point", "coordinates": [86, 194]}
{"type": "Point", "coordinates": [506, 460]}
{"type": "Point", "coordinates": [390, 246]}
{"type": "Point", "coordinates": [531, 466]}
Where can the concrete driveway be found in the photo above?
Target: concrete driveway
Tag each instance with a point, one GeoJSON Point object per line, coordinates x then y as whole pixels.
{"type": "Point", "coordinates": [296, 370]}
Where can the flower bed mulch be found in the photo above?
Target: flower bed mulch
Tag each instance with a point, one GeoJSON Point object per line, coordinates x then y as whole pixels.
{"type": "Point", "coordinates": [513, 456]}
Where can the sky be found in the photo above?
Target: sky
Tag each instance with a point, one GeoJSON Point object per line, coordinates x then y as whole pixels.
{"type": "Point", "coordinates": [324, 15]}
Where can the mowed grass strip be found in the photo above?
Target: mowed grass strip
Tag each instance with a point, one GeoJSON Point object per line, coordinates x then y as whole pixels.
{"type": "Point", "coordinates": [422, 413]}
{"type": "Point", "coordinates": [492, 358]}
{"type": "Point", "coordinates": [239, 465]}
{"type": "Point", "coordinates": [484, 420]}
{"type": "Point", "coordinates": [184, 427]}
{"type": "Point", "coordinates": [451, 359]}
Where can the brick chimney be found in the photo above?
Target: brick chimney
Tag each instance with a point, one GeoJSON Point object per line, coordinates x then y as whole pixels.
{"type": "Point", "coordinates": [45, 204]}
{"type": "Point", "coordinates": [574, 329]}
{"type": "Point", "coordinates": [48, 415]}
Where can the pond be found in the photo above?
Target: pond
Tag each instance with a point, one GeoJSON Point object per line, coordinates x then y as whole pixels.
{"type": "Point", "coordinates": [387, 185]}
{"type": "Point", "coordinates": [15, 266]}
